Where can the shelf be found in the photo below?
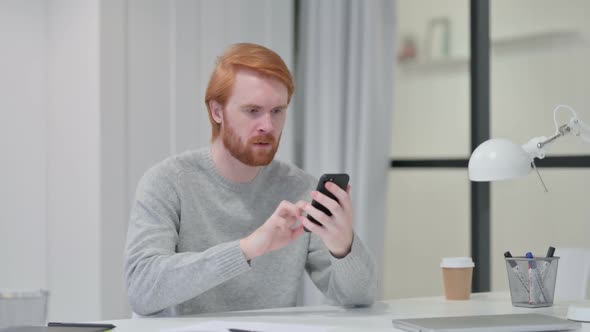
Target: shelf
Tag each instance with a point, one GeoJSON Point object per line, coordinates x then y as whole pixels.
{"type": "Point", "coordinates": [538, 39]}
{"type": "Point", "coordinates": [531, 40]}
{"type": "Point", "coordinates": [441, 63]}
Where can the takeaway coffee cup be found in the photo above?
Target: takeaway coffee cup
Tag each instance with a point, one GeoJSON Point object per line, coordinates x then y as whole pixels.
{"type": "Point", "coordinates": [457, 273]}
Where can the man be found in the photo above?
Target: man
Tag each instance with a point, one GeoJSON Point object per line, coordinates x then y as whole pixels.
{"type": "Point", "coordinates": [222, 228]}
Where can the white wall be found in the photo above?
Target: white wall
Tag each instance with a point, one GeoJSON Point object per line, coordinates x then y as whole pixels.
{"type": "Point", "coordinates": [432, 97]}
{"type": "Point", "coordinates": [23, 147]}
{"type": "Point", "coordinates": [50, 172]}
{"type": "Point", "coordinates": [73, 160]}
{"type": "Point", "coordinates": [113, 163]}
{"type": "Point", "coordinates": [92, 93]}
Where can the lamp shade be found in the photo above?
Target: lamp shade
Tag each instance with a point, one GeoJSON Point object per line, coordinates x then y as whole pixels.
{"type": "Point", "coordinates": [498, 159]}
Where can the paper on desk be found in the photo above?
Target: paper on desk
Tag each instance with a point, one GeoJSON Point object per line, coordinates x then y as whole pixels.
{"type": "Point", "coordinates": [225, 326]}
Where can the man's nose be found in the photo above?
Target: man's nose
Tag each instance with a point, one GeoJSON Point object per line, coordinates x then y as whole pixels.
{"type": "Point", "coordinates": [266, 125]}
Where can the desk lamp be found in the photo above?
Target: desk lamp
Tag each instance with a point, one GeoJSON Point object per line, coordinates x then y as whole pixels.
{"type": "Point", "coordinates": [500, 159]}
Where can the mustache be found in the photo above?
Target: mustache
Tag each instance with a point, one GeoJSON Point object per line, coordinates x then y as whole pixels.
{"type": "Point", "coordinates": [264, 138]}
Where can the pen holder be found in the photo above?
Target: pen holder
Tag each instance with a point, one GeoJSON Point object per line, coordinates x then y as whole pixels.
{"type": "Point", "coordinates": [23, 308]}
{"type": "Point", "coordinates": [532, 280]}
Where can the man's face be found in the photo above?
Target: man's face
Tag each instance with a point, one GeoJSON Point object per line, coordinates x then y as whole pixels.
{"type": "Point", "coordinates": [254, 117]}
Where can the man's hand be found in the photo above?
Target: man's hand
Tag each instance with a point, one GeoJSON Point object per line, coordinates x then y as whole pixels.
{"type": "Point", "coordinates": [337, 231]}
{"type": "Point", "coordinates": [277, 232]}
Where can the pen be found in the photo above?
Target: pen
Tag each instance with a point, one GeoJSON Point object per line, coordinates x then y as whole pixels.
{"type": "Point", "coordinates": [530, 270]}
{"type": "Point", "coordinates": [534, 274]}
{"type": "Point", "coordinates": [516, 270]}
{"type": "Point", "coordinates": [105, 326]}
{"type": "Point", "coordinates": [550, 251]}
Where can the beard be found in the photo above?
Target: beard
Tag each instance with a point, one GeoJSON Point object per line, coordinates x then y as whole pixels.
{"type": "Point", "coordinates": [247, 153]}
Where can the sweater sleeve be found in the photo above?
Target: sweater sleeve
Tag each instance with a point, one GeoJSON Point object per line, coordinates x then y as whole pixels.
{"type": "Point", "coordinates": [157, 276]}
{"type": "Point", "coordinates": [350, 281]}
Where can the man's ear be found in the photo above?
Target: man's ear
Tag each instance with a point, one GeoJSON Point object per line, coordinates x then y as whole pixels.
{"type": "Point", "coordinates": [216, 111]}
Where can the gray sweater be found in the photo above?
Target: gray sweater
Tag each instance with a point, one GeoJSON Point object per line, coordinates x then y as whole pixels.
{"type": "Point", "coordinates": [183, 255]}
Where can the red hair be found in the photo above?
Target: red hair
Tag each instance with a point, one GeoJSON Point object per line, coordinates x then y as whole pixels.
{"type": "Point", "coordinates": [243, 55]}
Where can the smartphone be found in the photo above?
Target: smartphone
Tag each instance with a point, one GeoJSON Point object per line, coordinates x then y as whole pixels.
{"type": "Point", "coordinates": [341, 179]}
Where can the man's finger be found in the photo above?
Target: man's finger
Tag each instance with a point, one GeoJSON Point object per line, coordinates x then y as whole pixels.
{"type": "Point", "coordinates": [343, 196]}
{"type": "Point", "coordinates": [297, 232]}
{"type": "Point", "coordinates": [326, 201]}
{"type": "Point", "coordinates": [336, 190]}
{"type": "Point", "coordinates": [312, 227]}
{"type": "Point", "coordinates": [291, 221]}
{"type": "Point", "coordinates": [318, 215]}
{"type": "Point", "coordinates": [300, 206]}
{"type": "Point", "coordinates": [286, 209]}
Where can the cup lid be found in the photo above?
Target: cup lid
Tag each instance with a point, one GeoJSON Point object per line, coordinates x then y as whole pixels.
{"type": "Point", "coordinates": [457, 262]}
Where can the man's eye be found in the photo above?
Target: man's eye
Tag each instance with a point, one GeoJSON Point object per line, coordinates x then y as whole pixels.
{"type": "Point", "coordinates": [252, 110]}
{"type": "Point", "coordinates": [277, 111]}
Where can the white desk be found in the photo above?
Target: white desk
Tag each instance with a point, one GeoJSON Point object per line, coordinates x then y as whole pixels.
{"type": "Point", "coordinates": [376, 318]}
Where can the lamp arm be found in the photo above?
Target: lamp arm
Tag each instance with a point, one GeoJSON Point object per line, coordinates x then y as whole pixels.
{"type": "Point", "coordinates": [562, 131]}
{"type": "Point", "coordinates": [580, 129]}
{"type": "Point", "coordinates": [575, 126]}
{"type": "Point", "coordinates": [536, 146]}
